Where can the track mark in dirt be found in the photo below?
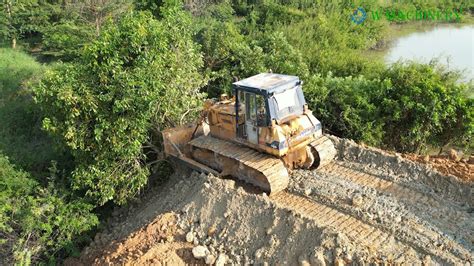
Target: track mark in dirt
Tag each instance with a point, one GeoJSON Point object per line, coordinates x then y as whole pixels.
{"type": "Point", "coordinates": [406, 194]}
{"type": "Point", "coordinates": [364, 234]}
{"type": "Point", "coordinates": [429, 205]}
{"type": "Point", "coordinates": [369, 180]}
{"type": "Point", "coordinates": [357, 231]}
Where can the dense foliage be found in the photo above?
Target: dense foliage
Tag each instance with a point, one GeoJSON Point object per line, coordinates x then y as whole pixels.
{"type": "Point", "coordinates": [37, 220]}
{"type": "Point", "coordinates": [408, 108]}
{"type": "Point", "coordinates": [424, 105]}
{"type": "Point", "coordinates": [346, 106]}
{"type": "Point", "coordinates": [140, 75]}
{"type": "Point", "coordinates": [134, 67]}
{"type": "Point", "coordinates": [56, 29]}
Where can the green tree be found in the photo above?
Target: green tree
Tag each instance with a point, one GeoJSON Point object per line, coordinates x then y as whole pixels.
{"type": "Point", "coordinates": [95, 12]}
{"type": "Point", "coordinates": [282, 57]}
{"type": "Point", "coordinates": [140, 75]}
{"type": "Point", "coordinates": [458, 127]}
{"type": "Point", "coordinates": [26, 18]}
{"type": "Point", "coordinates": [35, 221]}
{"type": "Point", "coordinates": [346, 107]}
{"type": "Point", "coordinates": [66, 40]}
{"type": "Point", "coordinates": [421, 102]}
{"type": "Point", "coordinates": [228, 56]}
{"type": "Point", "coordinates": [78, 23]}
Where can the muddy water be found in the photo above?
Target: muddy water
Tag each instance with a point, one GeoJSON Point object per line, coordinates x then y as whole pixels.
{"type": "Point", "coordinates": [453, 46]}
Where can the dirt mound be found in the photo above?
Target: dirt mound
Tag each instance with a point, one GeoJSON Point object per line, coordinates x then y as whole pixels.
{"type": "Point", "coordinates": [151, 244]}
{"type": "Point", "coordinates": [368, 206]}
{"type": "Point", "coordinates": [229, 223]}
{"type": "Point", "coordinates": [219, 215]}
{"type": "Point", "coordinates": [448, 164]}
{"type": "Point", "coordinates": [404, 171]}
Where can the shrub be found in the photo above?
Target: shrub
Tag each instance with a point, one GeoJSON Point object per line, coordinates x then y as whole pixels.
{"type": "Point", "coordinates": [345, 106]}
{"type": "Point", "coordinates": [37, 221]}
{"type": "Point", "coordinates": [140, 75]}
{"type": "Point", "coordinates": [411, 107]}
{"type": "Point", "coordinates": [228, 55]}
{"type": "Point", "coordinates": [422, 104]}
{"type": "Point", "coordinates": [65, 41]}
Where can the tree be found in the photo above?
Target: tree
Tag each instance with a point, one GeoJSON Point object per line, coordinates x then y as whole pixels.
{"type": "Point", "coordinates": [420, 105]}
{"type": "Point", "coordinates": [458, 126]}
{"type": "Point", "coordinates": [282, 57]}
{"type": "Point", "coordinates": [78, 23]}
{"type": "Point", "coordinates": [139, 76]}
{"type": "Point", "coordinates": [95, 12]}
{"type": "Point", "coordinates": [66, 40]}
{"type": "Point", "coordinates": [345, 106]}
{"type": "Point", "coordinates": [9, 31]}
{"type": "Point", "coordinates": [228, 56]}
{"type": "Point", "coordinates": [26, 18]}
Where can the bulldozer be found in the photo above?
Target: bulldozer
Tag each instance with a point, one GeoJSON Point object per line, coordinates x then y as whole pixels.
{"type": "Point", "coordinates": [258, 135]}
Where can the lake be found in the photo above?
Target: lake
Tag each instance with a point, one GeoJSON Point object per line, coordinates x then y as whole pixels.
{"type": "Point", "coordinates": [454, 46]}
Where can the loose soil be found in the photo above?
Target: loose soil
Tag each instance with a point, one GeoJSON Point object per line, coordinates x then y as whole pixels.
{"type": "Point", "coordinates": [448, 164]}
{"type": "Point", "coordinates": [368, 206]}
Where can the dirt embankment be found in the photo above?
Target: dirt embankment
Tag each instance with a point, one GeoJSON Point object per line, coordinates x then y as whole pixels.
{"type": "Point", "coordinates": [448, 164]}
{"type": "Point", "coordinates": [367, 206]}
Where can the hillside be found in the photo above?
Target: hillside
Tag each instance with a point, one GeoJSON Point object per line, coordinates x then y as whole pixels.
{"type": "Point", "coordinates": [366, 207]}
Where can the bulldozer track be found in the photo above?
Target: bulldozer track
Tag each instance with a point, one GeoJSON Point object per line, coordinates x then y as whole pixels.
{"type": "Point", "coordinates": [269, 166]}
{"type": "Point", "coordinates": [355, 229]}
{"type": "Point", "coordinates": [370, 180]}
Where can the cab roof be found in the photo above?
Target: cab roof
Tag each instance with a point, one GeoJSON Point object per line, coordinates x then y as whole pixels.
{"type": "Point", "coordinates": [267, 83]}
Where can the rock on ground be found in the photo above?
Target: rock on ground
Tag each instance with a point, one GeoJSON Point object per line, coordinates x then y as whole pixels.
{"type": "Point", "coordinates": [416, 213]}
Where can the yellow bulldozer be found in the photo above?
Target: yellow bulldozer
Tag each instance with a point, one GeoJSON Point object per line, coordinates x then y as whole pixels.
{"type": "Point", "coordinates": [259, 134]}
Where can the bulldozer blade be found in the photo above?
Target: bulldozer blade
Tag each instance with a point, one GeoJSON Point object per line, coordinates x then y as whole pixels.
{"type": "Point", "coordinates": [175, 140]}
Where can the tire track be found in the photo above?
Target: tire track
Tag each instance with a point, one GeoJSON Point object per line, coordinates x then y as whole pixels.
{"type": "Point", "coordinates": [401, 192]}
{"type": "Point", "coordinates": [356, 230]}
{"type": "Point", "coordinates": [370, 180]}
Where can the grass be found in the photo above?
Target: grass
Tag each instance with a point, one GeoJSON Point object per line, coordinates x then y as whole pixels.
{"type": "Point", "coordinates": [15, 67]}
{"type": "Point", "coordinates": [21, 137]}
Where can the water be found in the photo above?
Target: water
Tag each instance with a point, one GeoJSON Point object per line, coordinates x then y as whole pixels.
{"type": "Point", "coordinates": [453, 46]}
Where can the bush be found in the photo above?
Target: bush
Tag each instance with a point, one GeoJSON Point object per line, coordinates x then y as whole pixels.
{"type": "Point", "coordinates": [228, 55]}
{"type": "Point", "coordinates": [36, 222]}
{"type": "Point", "coordinates": [140, 76]}
{"type": "Point", "coordinates": [412, 106]}
{"type": "Point", "coordinates": [65, 41]}
{"type": "Point", "coordinates": [424, 105]}
{"type": "Point", "coordinates": [345, 106]}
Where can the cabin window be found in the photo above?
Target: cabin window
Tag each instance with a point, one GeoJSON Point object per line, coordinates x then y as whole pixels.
{"type": "Point", "coordinates": [261, 111]}
{"type": "Point", "coordinates": [256, 109]}
{"type": "Point", "coordinates": [251, 106]}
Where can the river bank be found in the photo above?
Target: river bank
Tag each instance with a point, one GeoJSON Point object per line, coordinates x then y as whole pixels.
{"type": "Point", "coordinates": [449, 43]}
